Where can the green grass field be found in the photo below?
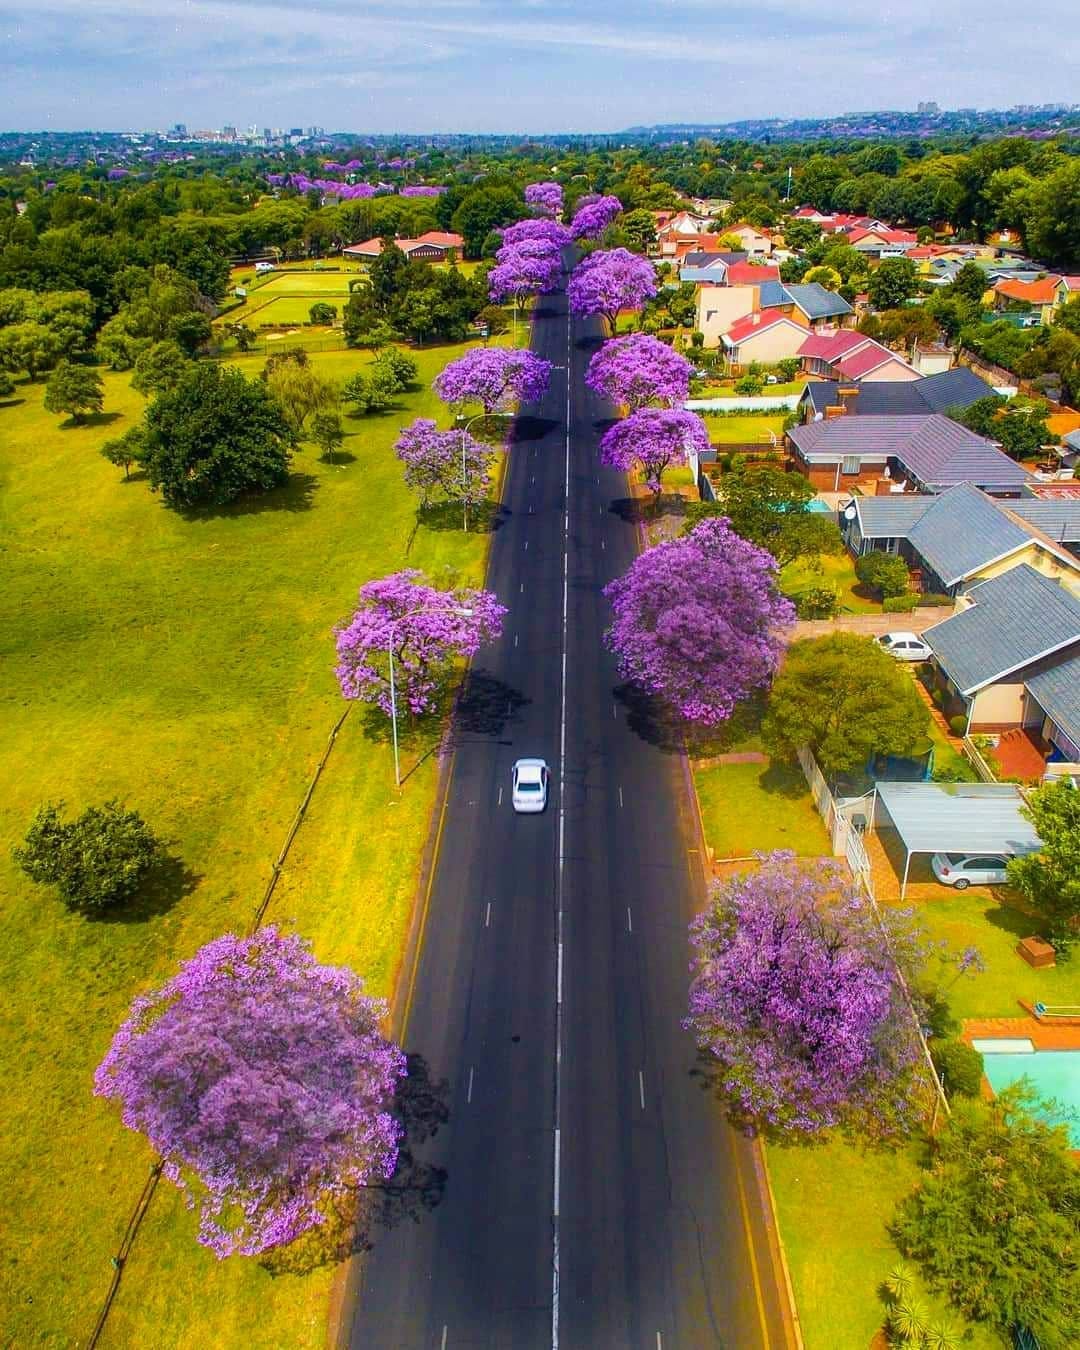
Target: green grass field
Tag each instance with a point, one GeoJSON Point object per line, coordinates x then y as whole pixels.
{"type": "Point", "coordinates": [836, 570]}
{"type": "Point", "coordinates": [316, 284]}
{"type": "Point", "coordinates": [186, 667]}
{"type": "Point", "coordinates": [751, 429]}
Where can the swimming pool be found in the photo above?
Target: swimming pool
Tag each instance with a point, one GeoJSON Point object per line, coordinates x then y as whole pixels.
{"type": "Point", "coordinates": [1055, 1074]}
{"type": "Point", "coordinates": [818, 507]}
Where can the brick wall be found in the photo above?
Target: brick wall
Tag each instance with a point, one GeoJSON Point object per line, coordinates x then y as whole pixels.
{"type": "Point", "coordinates": [873, 625]}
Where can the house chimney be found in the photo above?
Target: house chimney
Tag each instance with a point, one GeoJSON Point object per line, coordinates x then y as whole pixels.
{"type": "Point", "coordinates": [835, 410]}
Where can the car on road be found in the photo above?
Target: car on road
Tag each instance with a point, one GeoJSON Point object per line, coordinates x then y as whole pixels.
{"type": "Point", "coordinates": [529, 778]}
{"type": "Point", "coordinates": [961, 870]}
{"type": "Point", "coordinates": [906, 646]}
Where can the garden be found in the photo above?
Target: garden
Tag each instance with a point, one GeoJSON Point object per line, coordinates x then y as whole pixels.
{"type": "Point", "coordinates": [183, 662]}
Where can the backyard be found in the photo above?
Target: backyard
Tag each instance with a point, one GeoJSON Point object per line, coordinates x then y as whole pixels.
{"type": "Point", "coordinates": [185, 666]}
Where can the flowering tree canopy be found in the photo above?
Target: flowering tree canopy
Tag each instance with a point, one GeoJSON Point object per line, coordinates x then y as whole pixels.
{"type": "Point", "coordinates": [427, 630]}
{"type": "Point", "coordinates": [637, 370]}
{"type": "Point", "coordinates": [434, 462]}
{"type": "Point", "coordinates": [545, 197]}
{"type": "Point", "coordinates": [654, 438]}
{"type": "Point", "coordinates": [699, 620]}
{"type": "Point", "coordinates": [494, 377]}
{"type": "Point", "coordinates": [518, 274]}
{"type": "Point", "coordinates": [608, 281]}
{"type": "Point", "coordinates": [796, 996]}
{"type": "Point", "coordinates": [264, 1083]}
{"type": "Point", "coordinates": [594, 216]}
{"type": "Point", "coordinates": [557, 235]}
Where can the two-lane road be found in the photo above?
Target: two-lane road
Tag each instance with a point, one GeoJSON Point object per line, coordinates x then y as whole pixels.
{"type": "Point", "coordinates": [552, 974]}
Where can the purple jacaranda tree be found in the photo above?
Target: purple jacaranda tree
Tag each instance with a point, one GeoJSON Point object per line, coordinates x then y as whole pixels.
{"type": "Point", "coordinates": [653, 439]}
{"type": "Point", "coordinates": [558, 236]}
{"type": "Point", "coordinates": [592, 217]}
{"type": "Point", "coordinates": [637, 370]}
{"type": "Point", "coordinates": [451, 463]}
{"type": "Point", "coordinates": [547, 198]}
{"type": "Point", "coordinates": [264, 1083]}
{"type": "Point", "coordinates": [494, 377]}
{"type": "Point", "coordinates": [428, 632]}
{"type": "Point", "coordinates": [521, 274]}
{"type": "Point", "coordinates": [699, 621]}
{"type": "Point", "coordinates": [796, 997]}
{"type": "Point", "coordinates": [608, 281]}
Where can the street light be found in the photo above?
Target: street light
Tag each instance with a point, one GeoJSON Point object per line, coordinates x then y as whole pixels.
{"type": "Point", "coordinates": [465, 611]}
{"type": "Point", "coordinates": [464, 469]}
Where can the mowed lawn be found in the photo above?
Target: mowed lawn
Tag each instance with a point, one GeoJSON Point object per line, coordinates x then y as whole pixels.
{"type": "Point", "coordinates": [185, 666]}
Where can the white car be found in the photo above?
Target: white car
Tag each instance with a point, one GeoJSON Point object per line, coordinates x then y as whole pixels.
{"type": "Point", "coordinates": [530, 785]}
{"type": "Point", "coordinates": [961, 870]}
{"type": "Point", "coordinates": [906, 646]}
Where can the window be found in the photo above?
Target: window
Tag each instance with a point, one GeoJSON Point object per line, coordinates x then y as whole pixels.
{"type": "Point", "coordinates": [850, 464]}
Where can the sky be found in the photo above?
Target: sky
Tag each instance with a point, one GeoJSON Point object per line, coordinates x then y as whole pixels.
{"type": "Point", "coordinates": [517, 65]}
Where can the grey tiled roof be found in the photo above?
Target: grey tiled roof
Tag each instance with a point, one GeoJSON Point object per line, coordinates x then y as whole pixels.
{"type": "Point", "coordinates": [893, 516]}
{"type": "Point", "coordinates": [772, 294]}
{"type": "Point", "coordinates": [958, 387]}
{"type": "Point", "coordinates": [962, 531]}
{"type": "Point", "coordinates": [937, 450]}
{"type": "Point", "coordinates": [1015, 619]}
{"type": "Point", "coordinates": [1058, 692]}
{"type": "Point", "coordinates": [1057, 518]}
{"type": "Point", "coordinates": [817, 302]}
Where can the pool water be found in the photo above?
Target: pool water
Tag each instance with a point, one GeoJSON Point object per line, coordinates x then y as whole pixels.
{"type": "Point", "coordinates": [818, 507]}
{"type": "Point", "coordinates": [1055, 1074]}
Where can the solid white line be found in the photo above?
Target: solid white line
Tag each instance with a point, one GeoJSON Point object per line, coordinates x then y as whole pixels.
{"type": "Point", "coordinates": [614, 712]}
{"type": "Point", "coordinates": [487, 916]}
{"type": "Point", "coordinates": [522, 592]}
{"type": "Point", "coordinates": [620, 797]}
{"type": "Point", "coordinates": [468, 1095]}
{"type": "Point", "coordinates": [603, 545]}
{"type": "Point", "coordinates": [556, 1175]}
{"type": "Point", "coordinates": [444, 1338]}
{"type": "Point", "coordinates": [500, 797]}
{"type": "Point", "coordinates": [659, 1342]}
{"type": "Point", "coordinates": [558, 978]}
{"type": "Point", "coordinates": [629, 920]}
{"type": "Point", "coordinates": [641, 1087]}
{"type": "Point", "coordinates": [515, 639]}
{"type": "Point", "coordinates": [526, 546]}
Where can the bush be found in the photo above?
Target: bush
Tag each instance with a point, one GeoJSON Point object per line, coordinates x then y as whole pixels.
{"type": "Point", "coordinates": [816, 602]}
{"type": "Point", "coordinates": [900, 604]}
{"type": "Point", "coordinates": [932, 598]}
{"type": "Point", "coordinates": [959, 1067]}
{"type": "Point", "coordinates": [94, 861]}
{"type": "Point", "coordinates": [958, 725]}
{"type": "Point", "coordinates": [885, 573]}
{"type": "Point", "coordinates": [938, 697]}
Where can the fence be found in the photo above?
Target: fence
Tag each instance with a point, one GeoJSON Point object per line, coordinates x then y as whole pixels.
{"type": "Point", "coordinates": [778, 403]}
{"type": "Point", "coordinates": [977, 761]}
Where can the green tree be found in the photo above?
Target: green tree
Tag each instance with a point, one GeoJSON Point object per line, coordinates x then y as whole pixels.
{"type": "Point", "coordinates": [159, 367]}
{"type": "Point", "coordinates": [126, 450]}
{"type": "Point", "coordinates": [800, 234]}
{"type": "Point", "coordinates": [1068, 317]}
{"type": "Point", "coordinates": [638, 229]}
{"type": "Point", "coordinates": [214, 437]}
{"type": "Point", "coordinates": [970, 283]}
{"type": "Point", "coordinates": [74, 389]}
{"type": "Point", "coordinates": [959, 1067]}
{"type": "Point", "coordinates": [322, 313]}
{"type": "Point", "coordinates": [847, 699]}
{"type": "Point", "coordinates": [327, 433]}
{"type": "Point", "coordinates": [893, 282]}
{"type": "Point", "coordinates": [825, 276]}
{"type": "Point", "coordinates": [1050, 879]}
{"type": "Point", "coordinates": [94, 861]}
{"type": "Point", "coordinates": [1050, 212]}
{"type": "Point", "coordinates": [995, 1221]}
{"type": "Point", "coordinates": [300, 392]}
{"type": "Point", "coordinates": [768, 507]}
{"type": "Point", "coordinates": [7, 384]}
{"type": "Point", "coordinates": [28, 346]}
{"type": "Point", "coordinates": [886, 573]}
{"type": "Point", "coordinates": [482, 210]}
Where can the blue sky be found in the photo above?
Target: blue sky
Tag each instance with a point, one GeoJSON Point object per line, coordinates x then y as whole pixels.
{"type": "Point", "coordinates": [519, 65]}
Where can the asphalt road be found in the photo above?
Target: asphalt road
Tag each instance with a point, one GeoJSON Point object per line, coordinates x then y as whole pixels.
{"type": "Point", "coordinates": [552, 977]}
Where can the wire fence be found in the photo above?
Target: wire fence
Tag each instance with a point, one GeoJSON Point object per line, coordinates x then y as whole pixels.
{"type": "Point", "coordinates": [146, 1195]}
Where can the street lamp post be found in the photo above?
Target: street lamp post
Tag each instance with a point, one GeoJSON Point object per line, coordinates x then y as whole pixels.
{"type": "Point", "coordinates": [464, 468]}
{"type": "Point", "coordinates": [464, 610]}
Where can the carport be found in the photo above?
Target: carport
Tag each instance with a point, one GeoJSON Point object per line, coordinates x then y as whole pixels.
{"type": "Point", "coordinates": [955, 818]}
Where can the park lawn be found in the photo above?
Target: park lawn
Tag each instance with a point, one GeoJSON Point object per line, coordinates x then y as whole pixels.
{"type": "Point", "coordinates": [184, 666]}
{"type": "Point", "coordinates": [753, 808]}
{"type": "Point", "coordinates": [317, 284]}
{"type": "Point", "coordinates": [745, 429]}
{"type": "Point", "coordinates": [282, 310]}
{"type": "Point", "coordinates": [726, 389]}
{"type": "Point", "coordinates": [836, 570]}
{"type": "Point", "coordinates": [834, 1201]}
{"type": "Point", "coordinates": [945, 757]}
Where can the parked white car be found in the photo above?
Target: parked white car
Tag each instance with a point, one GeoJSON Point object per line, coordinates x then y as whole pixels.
{"type": "Point", "coordinates": [529, 793]}
{"type": "Point", "coordinates": [906, 646]}
{"type": "Point", "coordinates": [961, 870]}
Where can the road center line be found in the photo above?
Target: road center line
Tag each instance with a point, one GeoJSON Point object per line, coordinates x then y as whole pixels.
{"type": "Point", "coordinates": [515, 639]}
{"type": "Point", "coordinates": [468, 1095]}
{"type": "Point", "coordinates": [487, 916]}
{"type": "Point", "coordinates": [629, 920]}
{"type": "Point", "coordinates": [641, 1087]}
{"type": "Point", "coordinates": [620, 797]}
{"type": "Point", "coordinates": [444, 1338]}
{"type": "Point", "coordinates": [500, 797]}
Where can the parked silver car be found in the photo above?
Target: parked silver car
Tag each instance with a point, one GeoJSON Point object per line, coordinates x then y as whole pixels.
{"type": "Point", "coordinates": [906, 646]}
{"type": "Point", "coordinates": [961, 870]}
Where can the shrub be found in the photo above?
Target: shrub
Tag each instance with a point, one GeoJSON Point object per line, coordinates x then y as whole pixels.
{"type": "Point", "coordinates": [958, 724]}
{"type": "Point", "coordinates": [930, 598]}
{"type": "Point", "coordinates": [816, 602]}
{"type": "Point", "coordinates": [959, 1067]}
{"type": "Point", "coordinates": [938, 696]}
{"type": "Point", "coordinates": [94, 861]}
{"type": "Point", "coordinates": [886, 573]}
{"type": "Point", "coordinates": [900, 604]}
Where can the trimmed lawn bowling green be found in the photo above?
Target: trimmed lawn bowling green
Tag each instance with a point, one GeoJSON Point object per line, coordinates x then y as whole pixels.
{"type": "Point", "coordinates": [185, 666]}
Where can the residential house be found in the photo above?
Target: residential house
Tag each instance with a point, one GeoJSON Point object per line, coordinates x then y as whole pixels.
{"type": "Point", "coordinates": [431, 246]}
{"type": "Point", "coordinates": [956, 388]}
{"type": "Point", "coordinates": [957, 539]}
{"type": "Point", "coordinates": [846, 355]}
{"type": "Point", "coordinates": [673, 227]}
{"type": "Point", "coordinates": [927, 453]}
{"type": "Point", "coordinates": [758, 242]}
{"type": "Point", "coordinates": [881, 243]}
{"type": "Point", "coordinates": [765, 336]}
{"type": "Point", "coordinates": [812, 307]}
{"type": "Point", "coordinates": [999, 653]}
{"type": "Point", "coordinates": [932, 358]}
{"type": "Point", "coordinates": [1068, 288]}
{"type": "Point", "coordinates": [708, 267]}
{"type": "Point", "coordinates": [1041, 295]}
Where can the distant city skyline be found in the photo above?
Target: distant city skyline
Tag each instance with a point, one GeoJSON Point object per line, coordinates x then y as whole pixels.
{"type": "Point", "coordinates": [535, 65]}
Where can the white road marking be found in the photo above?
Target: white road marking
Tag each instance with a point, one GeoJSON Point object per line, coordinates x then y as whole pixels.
{"type": "Point", "coordinates": [558, 978]}
{"type": "Point", "coordinates": [522, 592]}
{"type": "Point", "coordinates": [515, 639]}
{"type": "Point", "coordinates": [614, 712]}
{"type": "Point", "coordinates": [468, 1095]}
{"type": "Point", "coordinates": [526, 546]}
{"type": "Point", "coordinates": [500, 797]}
{"type": "Point", "coordinates": [620, 797]}
{"type": "Point", "coordinates": [603, 545]}
{"type": "Point", "coordinates": [641, 1087]}
{"type": "Point", "coordinates": [487, 916]}
{"type": "Point", "coordinates": [444, 1338]}
{"type": "Point", "coordinates": [629, 920]}
{"type": "Point", "coordinates": [659, 1342]}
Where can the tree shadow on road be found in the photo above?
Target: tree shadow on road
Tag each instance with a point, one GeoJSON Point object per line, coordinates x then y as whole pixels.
{"type": "Point", "coordinates": [527, 429]}
{"type": "Point", "coordinates": [486, 706]}
{"type": "Point", "coordinates": [653, 719]}
{"type": "Point", "coordinates": [355, 1219]}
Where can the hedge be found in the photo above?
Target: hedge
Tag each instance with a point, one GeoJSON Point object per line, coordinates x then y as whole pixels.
{"type": "Point", "coordinates": [900, 604]}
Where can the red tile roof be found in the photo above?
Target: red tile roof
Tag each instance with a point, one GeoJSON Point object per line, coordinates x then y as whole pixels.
{"type": "Point", "coordinates": [1034, 292]}
{"type": "Point", "coordinates": [860, 363]}
{"type": "Point", "coordinates": [831, 346]}
{"type": "Point", "coordinates": [756, 322]}
{"type": "Point", "coordinates": [886, 236]}
{"type": "Point", "coordinates": [436, 238]}
{"type": "Point", "coordinates": [751, 274]}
